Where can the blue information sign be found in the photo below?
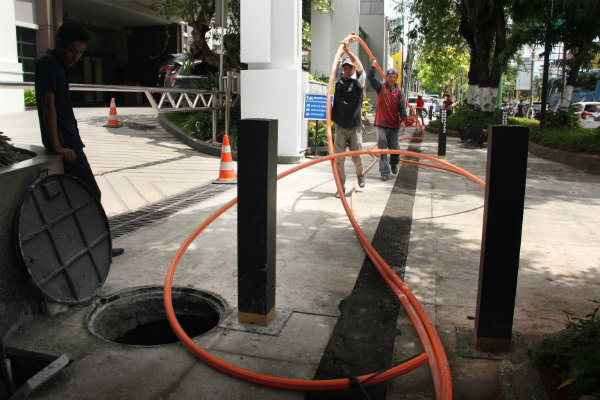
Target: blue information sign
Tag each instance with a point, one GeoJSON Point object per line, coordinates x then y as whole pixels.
{"type": "Point", "coordinates": [315, 106]}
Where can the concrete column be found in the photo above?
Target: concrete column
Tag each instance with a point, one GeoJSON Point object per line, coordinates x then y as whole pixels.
{"type": "Point", "coordinates": [10, 69]}
{"type": "Point", "coordinates": [272, 86]}
{"type": "Point", "coordinates": [372, 21]}
{"type": "Point", "coordinates": [328, 30]}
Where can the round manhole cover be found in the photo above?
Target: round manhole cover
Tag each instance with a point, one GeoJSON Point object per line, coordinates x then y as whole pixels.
{"type": "Point", "coordinates": [64, 239]}
{"type": "Point", "coordinates": [137, 317]}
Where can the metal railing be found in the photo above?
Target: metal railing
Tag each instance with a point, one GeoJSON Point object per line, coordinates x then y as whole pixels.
{"type": "Point", "coordinates": [170, 99]}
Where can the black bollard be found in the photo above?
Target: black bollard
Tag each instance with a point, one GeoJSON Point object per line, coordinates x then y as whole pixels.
{"type": "Point", "coordinates": [257, 213]}
{"type": "Point", "coordinates": [442, 135]}
{"type": "Point", "coordinates": [501, 240]}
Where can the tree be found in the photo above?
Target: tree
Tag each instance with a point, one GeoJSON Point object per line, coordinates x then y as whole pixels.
{"type": "Point", "coordinates": [481, 25]}
{"type": "Point", "coordinates": [440, 68]}
{"type": "Point", "coordinates": [576, 25]}
{"type": "Point", "coordinates": [198, 14]}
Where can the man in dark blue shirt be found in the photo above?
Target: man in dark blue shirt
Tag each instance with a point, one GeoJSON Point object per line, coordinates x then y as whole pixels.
{"type": "Point", "coordinates": [55, 110]}
{"type": "Point", "coordinates": [347, 103]}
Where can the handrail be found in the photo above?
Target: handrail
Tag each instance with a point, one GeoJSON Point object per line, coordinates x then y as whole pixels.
{"type": "Point", "coordinates": [171, 99]}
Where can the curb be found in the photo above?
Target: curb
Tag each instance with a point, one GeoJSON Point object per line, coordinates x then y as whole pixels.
{"type": "Point", "coordinates": [586, 162]}
{"type": "Point", "coordinates": [210, 149]}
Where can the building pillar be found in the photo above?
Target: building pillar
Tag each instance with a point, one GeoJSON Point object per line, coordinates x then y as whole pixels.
{"type": "Point", "coordinates": [328, 30]}
{"type": "Point", "coordinates": [271, 44]}
{"type": "Point", "coordinates": [10, 69]}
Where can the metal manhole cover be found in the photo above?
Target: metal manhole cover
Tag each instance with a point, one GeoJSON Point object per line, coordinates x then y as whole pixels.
{"type": "Point", "coordinates": [63, 238]}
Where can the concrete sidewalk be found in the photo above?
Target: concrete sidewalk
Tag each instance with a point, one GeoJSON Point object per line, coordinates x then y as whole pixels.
{"type": "Point", "coordinates": [318, 262]}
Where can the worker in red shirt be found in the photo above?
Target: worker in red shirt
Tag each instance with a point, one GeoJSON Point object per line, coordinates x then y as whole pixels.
{"type": "Point", "coordinates": [420, 108]}
{"type": "Point", "coordinates": [448, 104]}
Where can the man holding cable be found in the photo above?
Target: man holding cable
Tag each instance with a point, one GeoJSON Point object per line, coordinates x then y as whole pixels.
{"type": "Point", "coordinates": [389, 117]}
{"type": "Point", "coordinates": [347, 103]}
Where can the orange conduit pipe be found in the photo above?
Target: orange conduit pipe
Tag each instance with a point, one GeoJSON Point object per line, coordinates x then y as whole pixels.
{"type": "Point", "coordinates": [286, 383]}
{"type": "Point", "coordinates": [434, 355]}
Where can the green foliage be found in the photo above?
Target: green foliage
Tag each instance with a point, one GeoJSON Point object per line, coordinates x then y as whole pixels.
{"type": "Point", "coordinates": [443, 66]}
{"type": "Point", "coordinates": [578, 350]}
{"type": "Point", "coordinates": [319, 78]}
{"type": "Point", "coordinates": [557, 133]}
{"type": "Point", "coordinates": [199, 125]}
{"type": "Point", "coordinates": [575, 139]}
{"type": "Point", "coordinates": [561, 119]}
{"type": "Point", "coordinates": [366, 108]}
{"type": "Point", "coordinates": [30, 98]}
{"type": "Point", "coordinates": [321, 134]}
{"type": "Point", "coordinates": [7, 151]}
{"type": "Point", "coordinates": [363, 34]}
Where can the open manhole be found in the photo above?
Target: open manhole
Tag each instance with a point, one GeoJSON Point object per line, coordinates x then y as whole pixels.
{"type": "Point", "coordinates": [138, 317]}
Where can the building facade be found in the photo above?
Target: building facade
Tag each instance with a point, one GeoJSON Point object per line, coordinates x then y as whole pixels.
{"type": "Point", "coordinates": [128, 42]}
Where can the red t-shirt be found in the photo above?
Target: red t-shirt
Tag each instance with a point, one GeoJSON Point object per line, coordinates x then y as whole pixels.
{"type": "Point", "coordinates": [420, 104]}
{"type": "Point", "coordinates": [448, 103]}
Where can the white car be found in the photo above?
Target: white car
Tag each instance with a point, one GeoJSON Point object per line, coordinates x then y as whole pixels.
{"type": "Point", "coordinates": [589, 113]}
{"type": "Point", "coordinates": [412, 100]}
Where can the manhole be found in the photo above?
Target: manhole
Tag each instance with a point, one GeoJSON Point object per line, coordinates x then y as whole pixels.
{"type": "Point", "coordinates": [138, 317]}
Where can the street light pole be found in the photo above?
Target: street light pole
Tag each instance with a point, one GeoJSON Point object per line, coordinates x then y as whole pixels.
{"type": "Point", "coordinates": [547, 48]}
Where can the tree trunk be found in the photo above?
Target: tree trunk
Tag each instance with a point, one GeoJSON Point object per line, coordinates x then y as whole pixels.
{"type": "Point", "coordinates": [484, 30]}
{"type": "Point", "coordinates": [570, 84]}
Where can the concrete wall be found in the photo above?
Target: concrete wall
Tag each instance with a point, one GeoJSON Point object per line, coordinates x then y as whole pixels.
{"type": "Point", "coordinates": [272, 87]}
{"type": "Point", "coordinates": [10, 69]}
{"type": "Point", "coordinates": [19, 299]}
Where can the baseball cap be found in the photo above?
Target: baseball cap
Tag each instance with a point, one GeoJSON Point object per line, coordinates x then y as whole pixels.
{"type": "Point", "coordinates": [391, 71]}
{"type": "Point", "coordinates": [346, 60]}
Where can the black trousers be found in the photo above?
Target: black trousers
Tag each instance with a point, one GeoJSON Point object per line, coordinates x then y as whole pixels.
{"type": "Point", "coordinates": [81, 169]}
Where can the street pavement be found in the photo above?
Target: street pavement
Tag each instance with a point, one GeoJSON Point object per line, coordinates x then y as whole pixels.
{"type": "Point", "coordinates": [318, 262]}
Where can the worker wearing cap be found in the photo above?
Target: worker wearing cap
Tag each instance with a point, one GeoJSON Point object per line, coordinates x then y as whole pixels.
{"type": "Point", "coordinates": [389, 117]}
{"type": "Point", "coordinates": [347, 103]}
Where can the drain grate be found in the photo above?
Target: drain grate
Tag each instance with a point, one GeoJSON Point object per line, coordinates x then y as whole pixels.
{"type": "Point", "coordinates": [129, 222]}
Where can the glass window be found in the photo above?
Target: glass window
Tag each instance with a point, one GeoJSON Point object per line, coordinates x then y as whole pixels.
{"type": "Point", "coordinates": [26, 52]}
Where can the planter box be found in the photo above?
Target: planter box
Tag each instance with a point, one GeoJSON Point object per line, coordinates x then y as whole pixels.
{"type": "Point", "coordinates": [19, 299]}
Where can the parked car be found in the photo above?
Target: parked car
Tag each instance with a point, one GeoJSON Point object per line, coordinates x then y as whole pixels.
{"type": "Point", "coordinates": [198, 71]}
{"type": "Point", "coordinates": [167, 66]}
{"type": "Point", "coordinates": [589, 113]}
{"type": "Point", "coordinates": [537, 109]}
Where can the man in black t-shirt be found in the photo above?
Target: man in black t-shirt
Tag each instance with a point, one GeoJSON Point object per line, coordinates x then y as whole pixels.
{"type": "Point", "coordinates": [347, 103]}
{"type": "Point", "coordinates": [55, 109]}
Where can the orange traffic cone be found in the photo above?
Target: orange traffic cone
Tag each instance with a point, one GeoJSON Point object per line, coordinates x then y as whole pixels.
{"type": "Point", "coordinates": [113, 121]}
{"type": "Point", "coordinates": [226, 172]}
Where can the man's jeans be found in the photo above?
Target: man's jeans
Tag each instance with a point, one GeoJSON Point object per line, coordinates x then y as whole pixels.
{"type": "Point", "coordinates": [350, 138]}
{"type": "Point", "coordinates": [387, 138]}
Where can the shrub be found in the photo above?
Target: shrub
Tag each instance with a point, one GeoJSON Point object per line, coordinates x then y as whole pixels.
{"type": "Point", "coordinates": [321, 134]}
{"type": "Point", "coordinates": [576, 353]}
{"type": "Point", "coordinates": [30, 98]}
{"type": "Point", "coordinates": [199, 125]}
{"type": "Point", "coordinates": [7, 151]}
